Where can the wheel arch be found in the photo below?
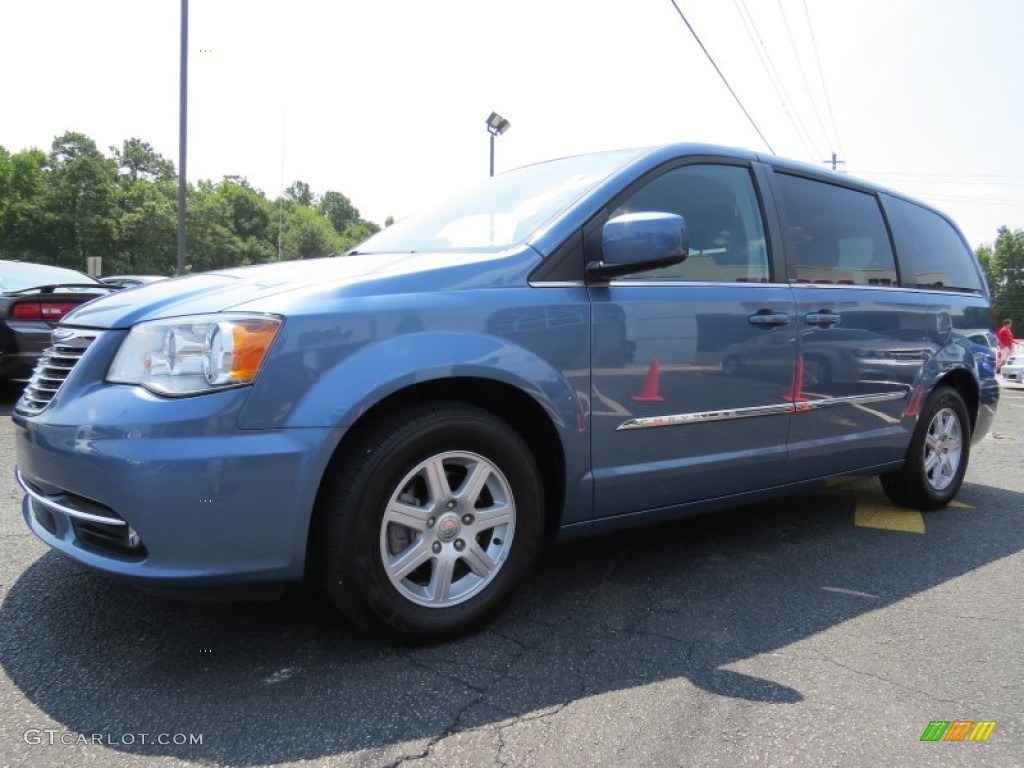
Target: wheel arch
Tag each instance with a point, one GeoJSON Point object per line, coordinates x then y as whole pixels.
{"type": "Point", "coordinates": [522, 412]}
{"type": "Point", "coordinates": [967, 387]}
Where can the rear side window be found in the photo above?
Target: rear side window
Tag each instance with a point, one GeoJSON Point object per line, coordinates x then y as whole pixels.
{"type": "Point", "coordinates": [727, 241]}
{"type": "Point", "coordinates": [932, 254]}
{"type": "Point", "coordinates": [836, 235]}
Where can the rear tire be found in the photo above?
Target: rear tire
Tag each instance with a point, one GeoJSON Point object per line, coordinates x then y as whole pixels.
{"type": "Point", "coordinates": [937, 457]}
{"type": "Point", "coordinates": [432, 520]}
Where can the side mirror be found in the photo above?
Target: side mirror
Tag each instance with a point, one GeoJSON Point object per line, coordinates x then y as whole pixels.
{"type": "Point", "coordinates": [635, 242]}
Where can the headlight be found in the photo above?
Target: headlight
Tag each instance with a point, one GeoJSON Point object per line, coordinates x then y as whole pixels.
{"type": "Point", "coordinates": [190, 355]}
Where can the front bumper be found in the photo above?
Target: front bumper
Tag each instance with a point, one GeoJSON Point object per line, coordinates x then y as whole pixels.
{"type": "Point", "coordinates": [170, 492]}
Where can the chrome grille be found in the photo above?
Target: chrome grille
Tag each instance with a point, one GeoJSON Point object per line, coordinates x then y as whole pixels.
{"type": "Point", "coordinates": [54, 366]}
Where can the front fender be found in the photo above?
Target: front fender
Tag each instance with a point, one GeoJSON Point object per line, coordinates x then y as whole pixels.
{"type": "Point", "coordinates": [337, 396]}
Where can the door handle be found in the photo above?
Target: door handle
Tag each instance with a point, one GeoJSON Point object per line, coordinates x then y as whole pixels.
{"type": "Point", "coordinates": [765, 318]}
{"type": "Point", "coordinates": [822, 317]}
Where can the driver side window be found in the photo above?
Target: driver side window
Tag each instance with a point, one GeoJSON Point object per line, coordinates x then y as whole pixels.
{"type": "Point", "coordinates": [727, 237]}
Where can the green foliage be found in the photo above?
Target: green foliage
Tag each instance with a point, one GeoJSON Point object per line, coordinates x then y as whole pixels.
{"type": "Point", "coordinates": [139, 160]}
{"type": "Point", "coordinates": [250, 212]}
{"type": "Point", "coordinates": [81, 208]}
{"type": "Point", "coordinates": [147, 230]}
{"type": "Point", "coordinates": [299, 192]}
{"type": "Point", "coordinates": [338, 210]}
{"type": "Point", "coordinates": [308, 234]}
{"type": "Point", "coordinates": [73, 202]}
{"type": "Point", "coordinates": [1004, 268]}
{"type": "Point", "coordinates": [23, 231]}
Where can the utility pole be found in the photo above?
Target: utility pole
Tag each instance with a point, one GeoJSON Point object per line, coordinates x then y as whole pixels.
{"type": "Point", "coordinates": [834, 162]}
{"type": "Point", "coordinates": [182, 133]}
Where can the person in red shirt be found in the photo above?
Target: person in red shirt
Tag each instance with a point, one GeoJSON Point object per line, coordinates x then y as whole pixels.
{"type": "Point", "coordinates": [1005, 337]}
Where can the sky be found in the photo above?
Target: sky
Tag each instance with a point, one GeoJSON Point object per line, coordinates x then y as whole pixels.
{"type": "Point", "coordinates": [385, 101]}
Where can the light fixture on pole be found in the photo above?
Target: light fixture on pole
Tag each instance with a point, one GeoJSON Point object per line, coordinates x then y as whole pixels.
{"type": "Point", "coordinates": [496, 125]}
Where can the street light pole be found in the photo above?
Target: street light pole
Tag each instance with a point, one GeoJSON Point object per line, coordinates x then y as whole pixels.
{"type": "Point", "coordinates": [182, 132]}
{"type": "Point", "coordinates": [496, 125]}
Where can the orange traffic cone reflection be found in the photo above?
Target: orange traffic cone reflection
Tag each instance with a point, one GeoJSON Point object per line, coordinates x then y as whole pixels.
{"type": "Point", "coordinates": [649, 394]}
{"type": "Point", "coordinates": [796, 386]}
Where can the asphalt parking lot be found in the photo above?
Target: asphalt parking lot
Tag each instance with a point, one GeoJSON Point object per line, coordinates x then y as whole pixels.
{"type": "Point", "coordinates": [829, 629]}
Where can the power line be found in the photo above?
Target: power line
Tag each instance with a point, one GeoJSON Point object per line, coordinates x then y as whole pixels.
{"type": "Point", "coordinates": [773, 75]}
{"type": "Point", "coordinates": [941, 176]}
{"type": "Point", "coordinates": [821, 77]}
{"type": "Point", "coordinates": [713, 64]}
{"type": "Point", "coordinates": [976, 200]}
{"type": "Point", "coordinates": [803, 75]}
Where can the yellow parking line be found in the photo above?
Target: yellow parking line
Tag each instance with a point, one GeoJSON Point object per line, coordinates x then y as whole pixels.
{"type": "Point", "coordinates": [874, 510]}
{"type": "Point", "coordinates": [887, 517]}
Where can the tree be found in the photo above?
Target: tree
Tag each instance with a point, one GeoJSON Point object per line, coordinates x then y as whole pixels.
{"type": "Point", "coordinates": [147, 229]}
{"type": "Point", "coordinates": [356, 232]}
{"type": "Point", "coordinates": [1004, 266]}
{"type": "Point", "coordinates": [73, 202]}
{"type": "Point", "coordinates": [250, 211]}
{"type": "Point", "coordinates": [5, 180]}
{"type": "Point", "coordinates": [81, 206]}
{"type": "Point", "coordinates": [210, 241]}
{"type": "Point", "coordinates": [301, 193]}
{"type": "Point", "coordinates": [985, 256]}
{"type": "Point", "coordinates": [338, 210]}
{"type": "Point", "coordinates": [250, 219]}
{"type": "Point", "coordinates": [308, 234]}
{"type": "Point", "coordinates": [23, 222]}
{"type": "Point", "coordinates": [139, 160]}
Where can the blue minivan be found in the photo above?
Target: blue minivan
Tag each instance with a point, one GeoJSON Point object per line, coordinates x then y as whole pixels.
{"type": "Point", "coordinates": [570, 348]}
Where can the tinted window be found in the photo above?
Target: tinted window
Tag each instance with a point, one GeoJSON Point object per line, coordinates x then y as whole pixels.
{"type": "Point", "coordinates": [932, 254]}
{"type": "Point", "coordinates": [836, 235]}
{"type": "Point", "coordinates": [727, 242]}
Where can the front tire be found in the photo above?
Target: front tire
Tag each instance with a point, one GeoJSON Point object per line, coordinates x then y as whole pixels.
{"type": "Point", "coordinates": [433, 518]}
{"type": "Point", "coordinates": [937, 457]}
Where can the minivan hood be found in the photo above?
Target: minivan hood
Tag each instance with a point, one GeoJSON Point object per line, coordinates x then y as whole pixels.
{"type": "Point", "coordinates": [228, 289]}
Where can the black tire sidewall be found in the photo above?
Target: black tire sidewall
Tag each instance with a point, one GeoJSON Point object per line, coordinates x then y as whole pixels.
{"type": "Point", "coordinates": [944, 398]}
{"type": "Point", "coordinates": [371, 599]}
{"type": "Point", "coordinates": [910, 486]}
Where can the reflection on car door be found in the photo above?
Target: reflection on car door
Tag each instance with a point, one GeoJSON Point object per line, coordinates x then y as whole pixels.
{"type": "Point", "coordinates": [671, 425]}
{"type": "Point", "coordinates": [862, 341]}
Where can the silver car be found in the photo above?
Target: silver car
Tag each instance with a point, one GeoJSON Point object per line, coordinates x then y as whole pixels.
{"type": "Point", "coordinates": [1013, 368]}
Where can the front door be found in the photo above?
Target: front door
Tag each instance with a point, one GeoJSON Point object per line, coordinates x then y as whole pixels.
{"type": "Point", "coordinates": [698, 402]}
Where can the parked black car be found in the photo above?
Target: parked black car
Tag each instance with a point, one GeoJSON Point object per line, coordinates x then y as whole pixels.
{"type": "Point", "coordinates": [33, 299]}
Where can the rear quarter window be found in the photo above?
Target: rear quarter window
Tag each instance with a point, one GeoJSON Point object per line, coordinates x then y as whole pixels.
{"type": "Point", "coordinates": [931, 252]}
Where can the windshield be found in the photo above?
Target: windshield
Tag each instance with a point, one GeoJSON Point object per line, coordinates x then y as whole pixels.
{"type": "Point", "coordinates": [502, 211]}
{"type": "Point", "coordinates": [17, 276]}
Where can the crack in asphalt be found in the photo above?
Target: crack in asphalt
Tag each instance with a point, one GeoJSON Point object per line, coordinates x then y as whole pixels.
{"type": "Point", "coordinates": [481, 692]}
{"type": "Point", "coordinates": [523, 648]}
